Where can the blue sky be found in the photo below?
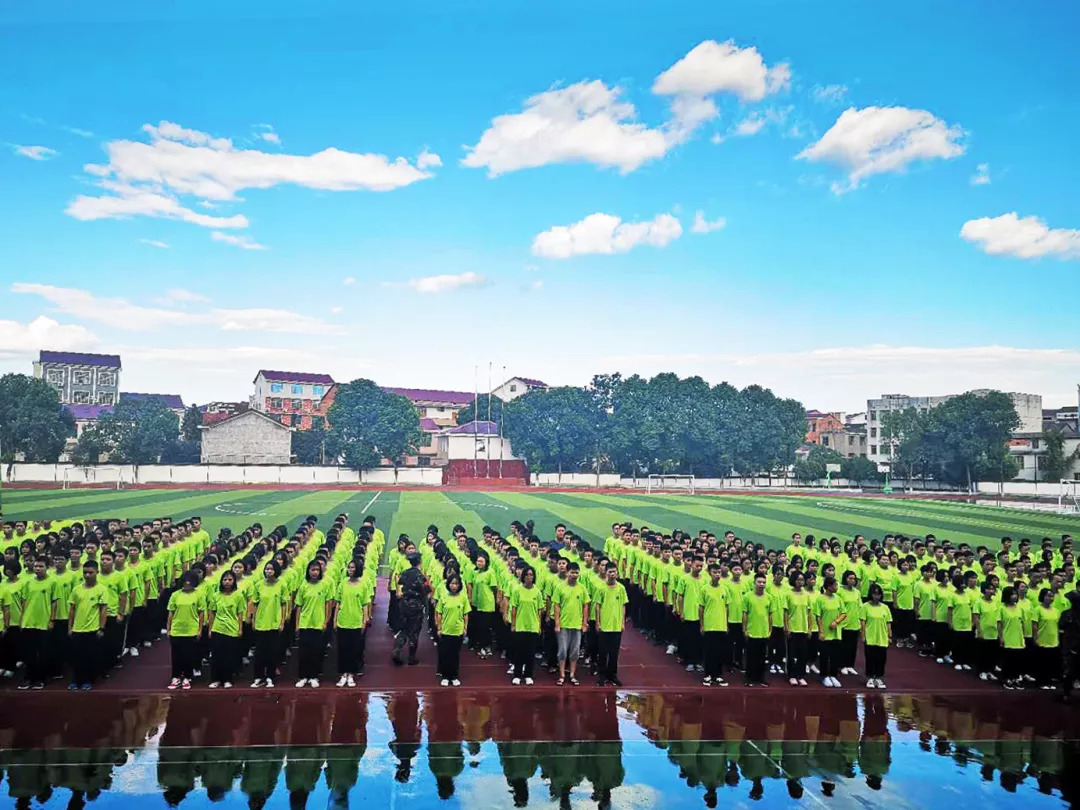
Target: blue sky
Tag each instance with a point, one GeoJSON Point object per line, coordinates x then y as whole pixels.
{"type": "Point", "coordinates": [887, 198]}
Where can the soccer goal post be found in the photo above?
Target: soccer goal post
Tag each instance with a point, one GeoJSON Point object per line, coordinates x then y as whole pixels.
{"type": "Point", "coordinates": [1069, 497]}
{"type": "Point", "coordinates": [662, 482]}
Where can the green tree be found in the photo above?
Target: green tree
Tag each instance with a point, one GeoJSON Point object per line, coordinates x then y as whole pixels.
{"type": "Point", "coordinates": [308, 446]}
{"type": "Point", "coordinates": [369, 424]}
{"type": "Point", "coordinates": [139, 431]}
{"type": "Point", "coordinates": [812, 468]}
{"type": "Point", "coordinates": [860, 470]}
{"type": "Point", "coordinates": [32, 420]}
{"type": "Point", "coordinates": [1054, 464]}
{"type": "Point", "coordinates": [90, 447]}
{"type": "Point", "coordinates": [973, 430]}
{"type": "Point", "coordinates": [189, 427]}
{"type": "Point", "coordinates": [554, 430]}
{"type": "Point", "coordinates": [469, 413]}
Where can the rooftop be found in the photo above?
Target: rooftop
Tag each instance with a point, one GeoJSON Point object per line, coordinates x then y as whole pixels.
{"type": "Point", "coordinates": [80, 359]}
{"type": "Point", "coordinates": [89, 413]}
{"type": "Point", "coordinates": [476, 428]}
{"type": "Point", "coordinates": [533, 383]}
{"type": "Point", "coordinates": [433, 395]}
{"type": "Point", "coordinates": [295, 377]}
{"type": "Point", "coordinates": [168, 400]}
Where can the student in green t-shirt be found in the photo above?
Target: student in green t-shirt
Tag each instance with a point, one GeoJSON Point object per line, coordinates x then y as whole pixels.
{"type": "Point", "coordinates": [830, 614]}
{"type": "Point", "coordinates": [610, 609]}
{"type": "Point", "coordinates": [714, 625]}
{"type": "Point", "coordinates": [798, 607]}
{"type": "Point", "coordinates": [186, 611]}
{"type": "Point", "coordinates": [1011, 634]}
{"type": "Point", "coordinates": [227, 609]}
{"type": "Point", "coordinates": [87, 611]}
{"type": "Point", "coordinates": [11, 605]}
{"type": "Point", "coordinates": [571, 606]}
{"type": "Point", "coordinates": [526, 605]}
{"type": "Point", "coordinates": [1046, 620]}
{"type": "Point", "coordinates": [451, 625]}
{"type": "Point", "coordinates": [38, 613]}
{"type": "Point", "coordinates": [987, 614]}
{"type": "Point", "coordinates": [268, 611]}
{"type": "Point", "coordinates": [315, 603]}
{"type": "Point", "coordinates": [757, 627]}
{"type": "Point", "coordinates": [481, 590]}
{"type": "Point", "coordinates": [353, 615]}
{"type": "Point", "coordinates": [876, 630]}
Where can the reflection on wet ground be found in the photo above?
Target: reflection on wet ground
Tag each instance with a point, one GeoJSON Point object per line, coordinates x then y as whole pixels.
{"type": "Point", "coordinates": [515, 749]}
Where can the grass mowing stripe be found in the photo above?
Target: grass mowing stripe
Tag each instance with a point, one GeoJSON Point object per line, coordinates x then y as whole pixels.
{"type": "Point", "coordinates": [15, 496]}
{"type": "Point", "coordinates": [602, 515]}
{"type": "Point", "coordinates": [115, 504]}
{"type": "Point", "coordinates": [525, 506]}
{"type": "Point", "coordinates": [1046, 523]}
{"type": "Point", "coordinates": [420, 509]}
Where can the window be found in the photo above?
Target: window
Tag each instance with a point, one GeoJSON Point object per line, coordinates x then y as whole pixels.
{"type": "Point", "coordinates": [81, 378]}
{"type": "Point", "coordinates": [275, 403]}
{"type": "Point", "coordinates": [850, 441]}
{"type": "Point", "coordinates": [276, 388]}
{"type": "Point", "coordinates": [424, 461]}
{"type": "Point", "coordinates": [873, 449]}
{"type": "Point", "coordinates": [55, 376]}
{"type": "Point", "coordinates": [873, 433]}
{"type": "Point", "coordinates": [296, 405]}
{"type": "Point", "coordinates": [824, 441]}
{"type": "Point", "coordinates": [513, 388]}
{"type": "Point", "coordinates": [106, 377]}
{"type": "Point", "coordinates": [307, 404]}
{"type": "Point", "coordinates": [318, 390]}
{"type": "Point", "coordinates": [80, 397]}
{"type": "Point", "coordinates": [105, 398]}
{"type": "Point", "coordinates": [298, 389]}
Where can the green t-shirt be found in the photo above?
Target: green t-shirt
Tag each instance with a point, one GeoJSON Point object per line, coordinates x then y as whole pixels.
{"type": "Point", "coordinates": [39, 595]}
{"type": "Point", "coordinates": [989, 612]}
{"type": "Point", "coordinates": [527, 603]}
{"type": "Point", "coordinates": [137, 572]}
{"type": "Point", "coordinates": [714, 600]}
{"type": "Point", "coordinates": [877, 619]}
{"type": "Point", "coordinates": [13, 597]}
{"type": "Point", "coordinates": [905, 590]}
{"type": "Point", "coordinates": [229, 611]}
{"type": "Point", "coordinates": [1012, 627]}
{"type": "Point", "coordinates": [572, 602]}
{"type": "Point", "coordinates": [756, 611]}
{"type": "Point", "coordinates": [852, 600]}
{"type": "Point", "coordinates": [736, 591]}
{"type": "Point", "coordinates": [926, 593]}
{"type": "Point", "coordinates": [86, 602]}
{"type": "Point", "coordinates": [1048, 619]}
{"type": "Point", "coordinates": [945, 595]}
{"type": "Point", "coordinates": [612, 608]}
{"type": "Point", "coordinates": [185, 609]}
{"type": "Point", "coordinates": [269, 601]}
{"type": "Point", "coordinates": [112, 582]}
{"type": "Point", "coordinates": [483, 593]}
{"type": "Point", "coordinates": [961, 610]}
{"type": "Point", "coordinates": [453, 608]}
{"type": "Point", "coordinates": [828, 609]}
{"type": "Point", "coordinates": [692, 597]}
{"type": "Point", "coordinates": [797, 607]}
{"type": "Point", "coordinates": [353, 598]}
{"type": "Point", "coordinates": [311, 598]}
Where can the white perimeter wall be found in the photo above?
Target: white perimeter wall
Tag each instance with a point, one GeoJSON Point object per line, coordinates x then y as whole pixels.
{"type": "Point", "coordinates": [195, 474]}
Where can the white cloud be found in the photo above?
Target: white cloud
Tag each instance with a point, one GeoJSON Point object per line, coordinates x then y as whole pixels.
{"type": "Point", "coordinates": [82, 133]}
{"type": "Point", "coordinates": [830, 93]}
{"type": "Point", "coordinates": [428, 160]}
{"type": "Point", "coordinates": [605, 234]}
{"type": "Point", "coordinates": [36, 152]}
{"type": "Point", "coordinates": [1023, 238]}
{"type": "Point", "coordinates": [336, 310]}
{"type": "Point", "coordinates": [43, 333]}
{"type": "Point", "coordinates": [756, 121]}
{"type": "Point", "coordinates": [148, 178]}
{"type": "Point", "coordinates": [119, 313]}
{"type": "Point", "coordinates": [156, 243]}
{"type": "Point", "coordinates": [751, 125]}
{"type": "Point", "coordinates": [585, 122]}
{"type": "Point", "coordinates": [180, 296]}
{"type": "Point", "coordinates": [266, 133]}
{"type": "Point", "coordinates": [702, 225]}
{"type": "Point", "coordinates": [245, 242]}
{"type": "Point", "coordinates": [536, 286]}
{"type": "Point", "coordinates": [875, 140]}
{"type": "Point", "coordinates": [723, 67]}
{"type": "Point", "coordinates": [982, 175]}
{"type": "Point", "coordinates": [348, 281]}
{"type": "Point", "coordinates": [446, 282]}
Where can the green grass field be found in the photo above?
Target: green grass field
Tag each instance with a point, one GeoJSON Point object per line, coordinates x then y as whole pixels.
{"type": "Point", "coordinates": [766, 518]}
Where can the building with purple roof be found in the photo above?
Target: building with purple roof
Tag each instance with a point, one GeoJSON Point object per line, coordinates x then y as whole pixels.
{"type": "Point", "coordinates": [81, 378]}
{"type": "Point", "coordinates": [298, 399]}
{"type": "Point", "coordinates": [518, 386]}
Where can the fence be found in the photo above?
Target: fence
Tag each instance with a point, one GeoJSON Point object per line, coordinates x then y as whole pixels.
{"type": "Point", "coordinates": [202, 474]}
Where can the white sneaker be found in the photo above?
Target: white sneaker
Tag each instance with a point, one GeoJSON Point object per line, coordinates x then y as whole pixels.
{"type": "Point", "coordinates": [793, 681]}
{"type": "Point", "coordinates": [836, 683]}
{"type": "Point", "coordinates": [134, 652]}
{"type": "Point", "coordinates": [802, 681]}
{"type": "Point", "coordinates": [941, 660]}
{"type": "Point", "coordinates": [814, 669]}
{"type": "Point", "coordinates": [257, 683]}
{"type": "Point", "coordinates": [146, 644]}
{"type": "Point", "coordinates": [352, 681]}
{"type": "Point", "coordinates": [455, 682]}
{"type": "Point", "coordinates": [444, 682]}
{"type": "Point", "coordinates": [214, 685]}
{"type": "Point", "coordinates": [343, 681]}
{"type": "Point", "coordinates": [529, 681]}
{"type": "Point", "coordinates": [670, 649]}
{"type": "Point", "coordinates": [984, 676]}
{"type": "Point", "coordinates": [826, 682]}
{"type": "Point", "coordinates": [197, 673]}
{"type": "Point", "coordinates": [516, 682]}
{"type": "Point", "coordinates": [313, 683]}
{"type": "Point", "coordinates": [871, 683]}
{"type": "Point", "coordinates": [510, 670]}
{"type": "Point", "coordinates": [227, 685]}
{"type": "Point", "coordinates": [967, 667]}
{"type": "Point", "coordinates": [269, 683]}
{"type": "Point", "coordinates": [881, 684]}
{"type": "Point", "coordinates": [689, 667]}
{"type": "Point", "coordinates": [958, 668]}
{"type": "Point", "coordinates": [174, 683]}
{"type": "Point", "coordinates": [185, 684]}
{"type": "Point", "coordinates": [300, 684]}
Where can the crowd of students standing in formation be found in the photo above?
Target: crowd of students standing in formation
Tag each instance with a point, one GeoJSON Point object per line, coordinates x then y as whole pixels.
{"type": "Point", "coordinates": [91, 593]}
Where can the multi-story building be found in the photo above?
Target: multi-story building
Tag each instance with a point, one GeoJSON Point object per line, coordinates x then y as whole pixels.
{"type": "Point", "coordinates": [819, 423]}
{"type": "Point", "coordinates": [80, 378]}
{"type": "Point", "coordinates": [879, 450]}
{"type": "Point", "coordinates": [295, 398]}
{"type": "Point", "coordinates": [518, 386]}
{"type": "Point", "coordinates": [437, 410]}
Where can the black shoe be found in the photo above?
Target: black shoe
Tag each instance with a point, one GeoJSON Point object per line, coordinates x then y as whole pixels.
{"type": "Point", "coordinates": [601, 681]}
{"type": "Point", "coordinates": [413, 662]}
{"type": "Point", "coordinates": [397, 661]}
{"type": "Point", "coordinates": [614, 681]}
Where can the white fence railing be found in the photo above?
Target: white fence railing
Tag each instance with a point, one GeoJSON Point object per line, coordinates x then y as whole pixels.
{"type": "Point", "coordinates": [201, 474]}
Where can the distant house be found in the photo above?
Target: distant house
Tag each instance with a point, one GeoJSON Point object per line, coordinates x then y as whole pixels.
{"type": "Point", "coordinates": [250, 437]}
{"type": "Point", "coordinates": [220, 411]}
{"type": "Point", "coordinates": [80, 378]}
{"type": "Point", "coordinates": [431, 403]}
{"type": "Point", "coordinates": [818, 424]}
{"type": "Point", "coordinates": [295, 398]}
{"type": "Point", "coordinates": [518, 386]}
{"type": "Point", "coordinates": [478, 439]}
{"type": "Point", "coordinates": [171, 401]}
{"type": "Point", "coordinates": [86, 415]}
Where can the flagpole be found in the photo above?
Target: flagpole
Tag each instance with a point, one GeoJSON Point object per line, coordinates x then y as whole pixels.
{"type": "Point", "coordinates": [502, 404]}
{"type": "Point", "coordinates": [475, 408]}
{"type": "Point", "coordinates": [487, 444]}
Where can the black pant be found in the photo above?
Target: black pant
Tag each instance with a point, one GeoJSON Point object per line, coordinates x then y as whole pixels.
{"type": "Point", "coordinates": [524, 653]}
{"type": "Point", "coordinates": [266, 649]}
{"type": "Point", "coordinates": [224, 657]}
{"type": "Point", "coordinates": [715, 647]}
{"type": "Point", "coordinates": [185, 653]}
{"type": "Point", "coordinates": [608, 643]}
{"type": "Point", "coordinates": [830, 657]}
{"type": "Point", "coordinates": [551, 644]}
{"type": "Point", "coordinates": [110, 648]}
{"type": "Point", "coordinates": [312, 649]}
{"type": "Point", "coordinates": [738, 644]}
{"type": "Point", "coordinates": [797, 644]}
{"type": "Point", "coordinates": [35, 654]}
{"type": "Point", "coordinates": [480, 629]}
{"type": "Point", "coordinates": [905, 624]}
{"type": "Point", "coordinates": [942, 640]}
{"type": "Point", "coordinates": [986, 653]}
{"type": "Point", "coordinates": [777, 647]}
{"type": "Point", "coordinates": [690, 641]}
{"type": "Point", "coordinates": [83, 649]}
{"type": "Point", "coordinates": [1012, 663]}
{"type": "Point", "coordinates": [875, 660]}
{"type": "Point", "coordinates": [350, 645]}
{"type": "Point", "coordinates": [849, 648]}
{"type": "Point", "coordinates": [450, 656]}
{"type": "Point", "coordinates": [10, 649]}
{"type": "Point", "coordinates": [1047, 665]}
{"type": "Point", "coordinates": [963, 644]}
{"type": "Point", "coordinates": [56, 648]}
{"type": "Point", "coordinates": [136, 631]}
{"type": "Point", "coordinates": [755, 659]}
{"type": "Point", "coordinates": [410, 623]}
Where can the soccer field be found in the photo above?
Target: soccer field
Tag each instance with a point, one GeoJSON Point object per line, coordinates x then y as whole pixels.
{"type": "Point", "coordinates": [761, 518]}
